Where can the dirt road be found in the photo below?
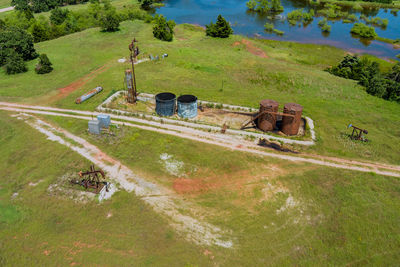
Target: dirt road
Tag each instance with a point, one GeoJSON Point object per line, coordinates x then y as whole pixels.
{"type": "Point", "coordinates": [161, 199]}
{"type": "Point", "coordinates": [6, 9]}
{"type": "Point", "coordinates": [212, 138]}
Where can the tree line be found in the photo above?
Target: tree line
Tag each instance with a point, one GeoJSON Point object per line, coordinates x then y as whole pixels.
{"type": "Point", "coordinates": [368, 74]}
{"type": "Point", "coordinates": [38, 6]}
{"type": "Point", "coordinates": [63, 21]}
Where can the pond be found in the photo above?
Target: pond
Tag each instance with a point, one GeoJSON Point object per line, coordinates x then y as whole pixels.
{"type": "Point", "coordinates": [251, 24]}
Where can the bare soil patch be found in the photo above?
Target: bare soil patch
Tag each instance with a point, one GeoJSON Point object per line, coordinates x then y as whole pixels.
{"type": "Point", "coordinates": [251, 48]}
{"type": "Point", "coordinates": [63, 92]}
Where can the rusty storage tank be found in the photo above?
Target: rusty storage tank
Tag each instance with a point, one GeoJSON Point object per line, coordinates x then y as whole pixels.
{"type": "Point", "coordinates": [187, 106]}
{"type": "Point", "coordinates": [290, 125]}
{"type": "Point", "coordinates": [267, 121]}
{"type": "Point", "coordinates": [165, 104]}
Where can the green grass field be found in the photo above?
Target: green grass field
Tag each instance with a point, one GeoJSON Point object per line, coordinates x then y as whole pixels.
{"type": "Point", "coordinates": [200, 65]}
{"type": "Point", "coordinates": [40, 229]}
{"type": "Point", "coordinates": [5, 3]}
{"type": "Point", "coordinates": [278, 213]}
{"type": "Point", "coordinates": [337, 218]}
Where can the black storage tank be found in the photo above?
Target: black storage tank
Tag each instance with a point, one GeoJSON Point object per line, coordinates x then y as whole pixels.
{"type": "Point", "coordinates": [165, 104]}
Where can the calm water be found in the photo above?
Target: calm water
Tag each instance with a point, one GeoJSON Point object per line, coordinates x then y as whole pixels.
{"type": "Point", "coordinates": [251, 24]}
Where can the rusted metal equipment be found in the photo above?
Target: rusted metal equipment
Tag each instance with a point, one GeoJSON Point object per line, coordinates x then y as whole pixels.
{"type": "Point", "coordinates": [266, 117]}
{"type": "Point", "coordinates": [267, 121]}
{"type": "Point", "coordinates": [88, 95]}
{"type": "Point", "coordinates": [357, 133]}
{"type": "Point", "coordinates": [90, 180]}
{"type": "Point", "coordinates": [130, 76]}
{"type": "Point", "coordinates": [291, 124]}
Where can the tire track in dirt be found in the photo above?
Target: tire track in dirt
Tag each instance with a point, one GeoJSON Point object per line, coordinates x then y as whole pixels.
{"type": "Point", "coordinates": [160, 199]}
{"type": "Point", "coordinates": [220, 140]}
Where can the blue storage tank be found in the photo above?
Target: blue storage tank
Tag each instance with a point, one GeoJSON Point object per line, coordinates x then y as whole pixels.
{"type": "Point", "coordinates": [104, 120]}
{"type": "Point", "coordinates": [187, 106]}
{"type": "Point", "coordinates": [165, 104]}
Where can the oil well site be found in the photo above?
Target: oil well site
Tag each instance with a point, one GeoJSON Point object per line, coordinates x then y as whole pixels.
{"type": "Point", "coordinates": [199, 151]}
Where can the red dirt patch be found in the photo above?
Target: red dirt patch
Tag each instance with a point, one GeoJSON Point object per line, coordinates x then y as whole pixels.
{"type": "Point", "coordinates": [63, 92]}
{"type": "Point", "coordinates": [242, 181]}
{"type": "Point", "coordinates": [185, 186]}
{"type": "Point", "coordinates": [251, 48]}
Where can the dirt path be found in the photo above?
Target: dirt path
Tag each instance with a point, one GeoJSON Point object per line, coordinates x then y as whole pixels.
{"type": "Point", "coordinates": [6, 9]}
{"type": "Point", "coordinates": [161, 199]}
{"type": "Point", "coordinates": [251, 48]}
{"type": "Point", "coordinates": [225, 141]}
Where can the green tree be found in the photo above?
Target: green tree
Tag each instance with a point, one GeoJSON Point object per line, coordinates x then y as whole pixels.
{"type": "Point", "coordinates": [15, 64]}
{"type": "Point", "coordinates": [21, 5]}
{"type": "Point", "coordinates": [263, 6]}
{"type": "Point", "coordinates": [18, 40]}
{"type": "Point", "coordinates": [251, 5]}
{"type": "Point", "coordinates": [40, 30]}
{"type": "Point", "coordinates": [220, 29]}
{"type": "Point", "coordinates": [44, 65]}
{"type": "Point", "coordinates": [58, 16]}
{"type": "Point", "coordinates": [276, 6]}
{"type": "Point", "coordinates": [394, 74]}
{"type": "Point", "coordinates": [146, 4]}
{"type": "Point", "coordinates": [163, 29]}
{"type": "Point", "coordinates": [377, 86]}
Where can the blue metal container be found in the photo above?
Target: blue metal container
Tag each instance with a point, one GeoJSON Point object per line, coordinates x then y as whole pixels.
{"type": "Point", "coordinates": [165, 104]}
{"type": "Point", "coordinates": [187, 106]}
{"type": "Point", "coordinates": [94, 127]}
{"type": "Point", "coordinates": [104, 120]}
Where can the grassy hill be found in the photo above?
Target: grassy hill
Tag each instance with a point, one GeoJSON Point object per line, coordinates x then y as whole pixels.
{"type": "Point", "coordinates": [226, 70]}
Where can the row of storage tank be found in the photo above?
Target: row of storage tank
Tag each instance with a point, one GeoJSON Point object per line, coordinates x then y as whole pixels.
{"type": "Point", "coordinates": [291, 117]}
{"type": "Point", "coordinates": [185, 105]}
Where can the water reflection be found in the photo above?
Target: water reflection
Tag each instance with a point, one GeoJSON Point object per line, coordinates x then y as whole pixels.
{"type": "Point", "coordinates": [252, 23]}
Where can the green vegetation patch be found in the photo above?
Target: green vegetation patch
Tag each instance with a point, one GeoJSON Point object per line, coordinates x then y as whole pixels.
{"type": "Point", "coordinates": [198, 65]}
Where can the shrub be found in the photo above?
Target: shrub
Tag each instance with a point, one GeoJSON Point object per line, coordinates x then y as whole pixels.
{"type": "Point", "coordinates": [357, 7]}
{"type": "Point", "coordinates": [352, 17]}
{"type": "Point", "coordinates": [109, 21]}
{"type": "Point", "coordinates": [44, 65]}
{"type": "Point", "coordinates": [326, 28]}
{"type": "Point", "coordinates": [299, 16]}
{"type": "Point", "coordinates": [220, 29]}
{"type": "Point", "coordinates": [163, 29]}
{"type": "Point", "coordinates": [363, 30]}
{"type": "Point", "coordinates": [278, 32]}
{"type": "Point", "coordinates": [251, 5]}
{"type": "Point", "coordinates": [15, 64]}
{"type": "Point", "coordinates": [276, 6]}
{"type": "Point", "coordinates": [269, 27]}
